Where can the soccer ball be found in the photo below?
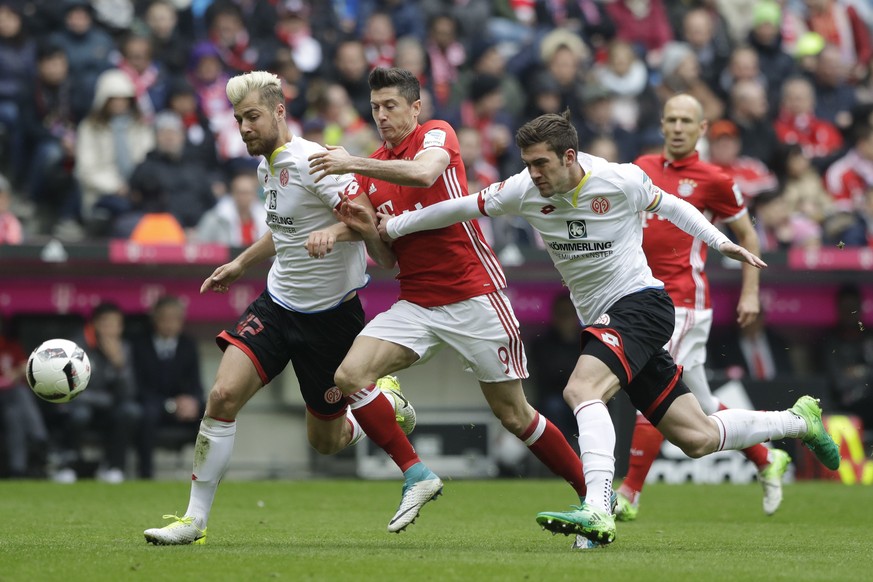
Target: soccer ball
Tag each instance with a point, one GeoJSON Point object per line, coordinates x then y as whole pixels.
{"type": "Point", "coordinates": [58, 370]}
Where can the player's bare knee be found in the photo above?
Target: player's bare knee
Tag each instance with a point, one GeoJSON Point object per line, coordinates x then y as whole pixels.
{"type": "Point", "coordinates": [696, 445]}
{"type": "Point", "coordinates": [346, 380]}
{"type": "Point", "coordinates": [224, 400]}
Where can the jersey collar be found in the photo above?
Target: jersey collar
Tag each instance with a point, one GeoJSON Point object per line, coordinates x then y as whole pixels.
{"type": "Point", "coordinates": [688, 160]}
{"type": "Point", "coordinates": [275, 153]}
{"type": "Point", "coordinates": [573, 195]}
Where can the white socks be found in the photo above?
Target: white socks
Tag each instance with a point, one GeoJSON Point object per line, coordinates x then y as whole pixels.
{"type": "Point", "coordinates": [212, 453]}
{"type": "Point", "coordinates": [740, 429]}
{"type": "Point", "coordinates": [357, 431]}
{"type": "Point", "coordinates": [597, 443]}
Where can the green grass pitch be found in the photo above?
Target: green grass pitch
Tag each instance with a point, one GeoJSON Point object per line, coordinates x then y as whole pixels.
{"type": "Point", "coordinates": [479, 530]}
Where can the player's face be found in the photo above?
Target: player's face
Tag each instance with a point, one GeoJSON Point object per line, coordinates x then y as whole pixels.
{"type": "Point", "coordinates": [682, 125]}
{"type": "Point", "coordinates": [259, 124]}
{"type": "Point", "coordinates": [395, 117]}
{"type": "Point", "coordinates": [551, 174]}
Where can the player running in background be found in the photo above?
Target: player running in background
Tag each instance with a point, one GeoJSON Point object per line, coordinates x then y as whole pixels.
{"type": "Point", "coordinates": [588, 212]}
{"type": "Point", "coordinates": [309, 313]}
{"type": "Point", "coordinates": [450, 292]}
{"type": "Point", "coordinates": [678, 259]}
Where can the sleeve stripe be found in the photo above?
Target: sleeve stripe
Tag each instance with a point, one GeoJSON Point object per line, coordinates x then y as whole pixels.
{"type": "Point", "coordinates": [481, 202]}
{"type": "Point", "coordinates": [656, 203]}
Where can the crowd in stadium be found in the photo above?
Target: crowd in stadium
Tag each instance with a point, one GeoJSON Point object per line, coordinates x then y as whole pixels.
{"type": "Point", "coordinates": [112, 110]}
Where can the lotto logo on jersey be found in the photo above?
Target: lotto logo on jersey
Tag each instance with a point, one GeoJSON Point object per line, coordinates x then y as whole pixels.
{"type": "Point", "coordinates": [686, 187]}
{"type": "Point", "coordinates": [577, 229]}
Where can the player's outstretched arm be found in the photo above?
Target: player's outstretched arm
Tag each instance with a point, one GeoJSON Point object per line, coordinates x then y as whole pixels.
{"type": "Point", "coordinates": [224, 276]}
{"type": "Point", "coordinates": [321, 242]}
{"type": "Point", "coordinates": [360, 216]}
{"type": "Point", "coordinates": [421, 172]}
{"type": "Point", "coordinates": [738, 253]}
{"type": "Point", "coordinates": [437, 215]}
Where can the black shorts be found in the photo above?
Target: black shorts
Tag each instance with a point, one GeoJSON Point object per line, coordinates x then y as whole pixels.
{"type": "Point", "coordinates": [632, 334]}
{"type": "Point", "coordinates": [314, 343]}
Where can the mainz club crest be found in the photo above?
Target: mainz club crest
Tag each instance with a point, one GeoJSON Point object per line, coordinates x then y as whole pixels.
{"type": "Point", "coordinates": [600, 205]}
{"type": "Point", "coordinates": [283, 177]}
{"type": "Point", "coordinates": [333, 395]}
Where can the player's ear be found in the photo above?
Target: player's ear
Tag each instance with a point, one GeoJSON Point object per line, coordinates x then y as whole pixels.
{"type": "Point", "coordinates": [280, 110]}
{"type": "Point", "coordinates": [570, 157]}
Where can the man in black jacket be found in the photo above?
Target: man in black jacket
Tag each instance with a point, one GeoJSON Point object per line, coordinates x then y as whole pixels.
{"type": "Point", "coordinates": [167, 367]}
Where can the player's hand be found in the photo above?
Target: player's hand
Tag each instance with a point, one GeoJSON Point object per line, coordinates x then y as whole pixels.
{"type": "Point", "coordinates": [383, 226]}
{"type": "Point", "coordinates": [358, 217]}
{"type": "Point", "coordinates": [335, 160]}
{"type": "Point", "coordinates": [738, 253]}
{"type": "Point", "coordinates": [319, 243]}
{"type": "Point", "coordinates": [221, 278]}
{"type": "Point", "coordinates": [748, 310]}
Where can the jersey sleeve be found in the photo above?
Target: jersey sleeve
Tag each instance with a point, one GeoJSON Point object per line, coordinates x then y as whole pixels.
{"type": "Point", "coordinates": [502, 198]}
{"type": "Point", "coordinates": [439, 134]}
{"type": "Point", "coordinates": [639, 188]}
{"type": "Point", "coordinates": [725, 199]}
{"type": "Point", "coordinates": [329, 190]}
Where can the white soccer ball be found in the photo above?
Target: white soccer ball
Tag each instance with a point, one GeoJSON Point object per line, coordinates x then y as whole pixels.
{"type": "Point", "coordinates": [58, 370]}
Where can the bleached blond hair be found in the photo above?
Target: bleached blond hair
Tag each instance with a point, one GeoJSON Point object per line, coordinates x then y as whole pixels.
{"type": "Point", "coordinates": [267, 84]}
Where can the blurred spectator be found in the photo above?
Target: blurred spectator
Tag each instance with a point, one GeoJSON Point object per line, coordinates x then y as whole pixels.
{"type": "Point", "coordinates": [699, 31]}
{"type": "Point", "coordinates": [544, 95]}
{"type": "Point", "coordinates": [183, 185]}
{"type": "Point", "coordinates": [10, 226]}
{"type": "Point", "coordinates": [644, 24]}
{"type": "Point", "coordinates": [209, 80]}
{"type": "Point", "coordinates": [749, 111]}
{"type": "Point", "coordinates": [17, 63]}
{"type": "Point", "coordinates": [797, 122]}
{"type": "Point", "coordinates": [167, 365]}
{"type": "Point", "coordinates": [445, 55]}
{"type": "Point", "coordinates": [109, 406]}
{"type": "Point", "coordinates": [480, 172]}
{"type": "Point", "coordinates": [754, 351]}
{"type": "Point", "coordinates": [89, 49]}
{"type": "Point", "coordinates": [834, 97]}
{"type": "Point", "coordinates": [379, 39]}
{"type": "Point", "coordinates": [680, 73]}
{"type": "Point", "coordinates": [742, 66]}
{"type": "Point", "coordinates": [410, 55]}
{"type": "Point", "coordinates": [487, 59]}
{"type": "Point", "coordinates": [294, 83]}
{"type": "Point", "coordinates": [779, 228]}
{"type": "Point", "coordinates": [624, 75]}
{"type": "Point", "coordinates": [553, 355]}
{"type": "Point", "coordinates": [598, 121]}
{"type": "Point", "coordinates": [238, 50]}
{"type": "Point", "coordinates": [802, 187]}
{"type": "Point", "coordinates": [343, 125]}
{"type": "Point", "coordinates": [169, 46]}
{"type": "Point", "coordinates": [200, 146]}
{"type": "Point", "coordinates": [840, 25]}
{"type": "Point", "coordinates": [750, 175]}
{"type": "Point", "coordinates": [258, 17]}
{"type": "Point", "coordinates": [406, 16]}
{"type": "Point", "coordinates": [150, 80]}
{"type": "Point", "coordinates": [351, 71]}
{"type": "Point", "coordinates": [49, 115]}
{"type": "Point", "coordinates": [806, 51]}
{"type": "Point", "coordinates": [116, 16]}
{"type": "Point", "coordinates": [24, 431]}
{"type": "Point", "coordinates": [239, 218]}
{"type": "Point", "coordinates": [111, 141]}
{"type": "Point", "coordinates": [294, 31]}
{"type": "Point", "coordinates": [604, 147]}
{"type": "Point", "coordinates": [848, 179]}
{"type": "Point", "coordinates": [847, 350]}
{"type": "Point", "coordinates": [587, 18]}
{"type": "Point", "coordinates": [565, 58]}
{"type": "Point", "coordinates": [484, 112]}
{"type": "Point", "coordinates": [774, 60]}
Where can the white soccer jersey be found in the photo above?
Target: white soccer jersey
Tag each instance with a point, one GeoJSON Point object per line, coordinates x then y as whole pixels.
{"type": "Point", "coordinates": [297, 206]}
{"type": "Point", "coordinates": [593, 233]}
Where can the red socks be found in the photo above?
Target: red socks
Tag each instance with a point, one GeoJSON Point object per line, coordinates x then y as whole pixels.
{"type": "Point", "coordinates": [376, 416]}
{"type": "Point", "coordinates": [548, 444]}
{"type": "Point", "coordinates": [645, 445]}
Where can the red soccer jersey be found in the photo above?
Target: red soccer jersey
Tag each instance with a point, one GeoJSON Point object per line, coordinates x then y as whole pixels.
{"type": "Point", "coordinates": [677, 258]}
{"type": "Point", "coordinates": [437, 267]}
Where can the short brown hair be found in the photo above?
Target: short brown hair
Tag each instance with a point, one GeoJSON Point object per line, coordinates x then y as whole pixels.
{"type": "Point", "coordinates": [405, 82]}
{"type": "Point", "coordinates": [552, 129]}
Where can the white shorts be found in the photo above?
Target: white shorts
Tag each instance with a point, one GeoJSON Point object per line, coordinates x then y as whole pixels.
{"type": "Point", "coordinates": [482, 330]}
{"type": "Point", "coordinates": [688, 343]}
